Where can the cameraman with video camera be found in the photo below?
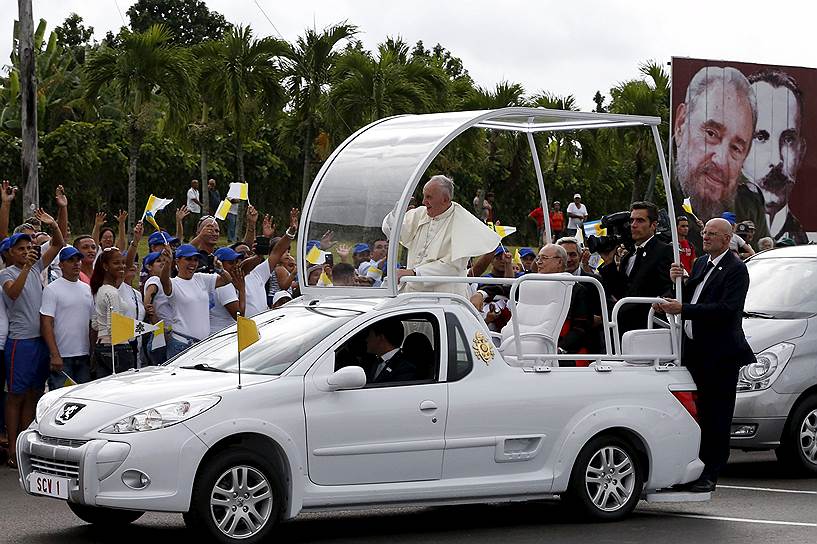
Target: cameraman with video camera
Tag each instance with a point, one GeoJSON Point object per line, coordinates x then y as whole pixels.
{"type": "Point", "coordinates": [641, 269]}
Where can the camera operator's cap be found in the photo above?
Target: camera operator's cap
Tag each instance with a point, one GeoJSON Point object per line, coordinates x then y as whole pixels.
{"type": "Point", "coordinates": [69, 253]}
{"type": "Point", "coordinates": [742, 228]}
{"type": "Point", "coordinates": [526, 252]}
{"type": "Point", "coordinates": [749, 224]}
{"type": "Point", "coordinates": [226, 254]}
{"type": "Point", "coordinates": [279, 295]}
{"type": "Point", "coordinates": [360, 248]}
{"type": "Point", "coordinates": [577, 195]}
{"type": "Point", "coordinates": [14, 238]}
{"type": "Point", "coordinates": [156, 239]}
{"type": "Point", "coordinates": [151, 257]}
{"type": "Point", "coordinates": [187, 250]}
{"type": "Point", "coordinates": [729, 216]}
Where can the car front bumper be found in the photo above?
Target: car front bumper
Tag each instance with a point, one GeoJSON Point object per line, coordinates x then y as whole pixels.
{"type": "Point", "coordinates": [169, 457]}
{"type": "Point", "coordinates": [759, 418]}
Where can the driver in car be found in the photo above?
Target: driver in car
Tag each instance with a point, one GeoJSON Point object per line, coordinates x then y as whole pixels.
{"type": "Point", "coordinates": [391, 363]}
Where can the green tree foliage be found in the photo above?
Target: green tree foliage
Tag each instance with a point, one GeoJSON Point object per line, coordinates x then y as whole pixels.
{"type": "Point", "coordinates": [191, 20]}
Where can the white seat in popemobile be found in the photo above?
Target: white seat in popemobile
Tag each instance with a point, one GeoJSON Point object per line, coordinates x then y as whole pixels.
{"type": "Point", "coordinates": [644, 342]}
{"type": "Point", "coordinates": [541, 310]}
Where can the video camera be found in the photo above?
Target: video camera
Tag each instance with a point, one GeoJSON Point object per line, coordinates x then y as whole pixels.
{"type": "Point", "coordinates": [618, 233]}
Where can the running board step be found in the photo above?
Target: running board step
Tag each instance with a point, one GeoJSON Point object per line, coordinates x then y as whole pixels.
{"type": "Point", "coordinates": [677, 496]}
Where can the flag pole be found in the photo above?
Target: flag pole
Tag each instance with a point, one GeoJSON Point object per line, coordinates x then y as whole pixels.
{"type": "Point", "coordinates": [113, 351]}
{"type": "Point", "coordinates": [238, 343]}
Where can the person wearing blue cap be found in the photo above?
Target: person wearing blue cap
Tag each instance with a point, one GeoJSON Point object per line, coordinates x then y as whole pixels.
{"type": "Point", "coordinates": [189, 294]}
{"type": "Point", "coordinates": [527, 256]}
{"type": "Point", "coordinates": [26, 355]}
{"type": "Point", "coordinates": [231, 299]}
{"type": "Point", "coordinates": [157, 241]}
{"type": "Point", "coordinates": [65, 322]}
{"type": "Point", "coordinates": [157, 303]}
{"type": "Point", "coordinates": [361, 253]}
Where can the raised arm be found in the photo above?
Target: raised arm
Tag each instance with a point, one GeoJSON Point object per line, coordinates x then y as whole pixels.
{"type": "Point", "coordinates": [164, 276]}
{"type": "Point", "coordinates": [133, 248]}
{"type": "Point", "coordinates": [56, 237]}
{"type": "Point", "coordinates": [7, 194]}
{"type": "Point", "coordinates": [285, 241]}
{"type": "Point", "coordinates": [62, 211]}
{"type": "Point", "coordinates": [13, 288]}
{"type": "Point", "coordinates": [121, 233]}
{"type": "Point", "coordinates": [252, 218]}
{"type": "Point", "coordinates": [181, 213]}
{"type": "Point", "coordinates": [99, 220]}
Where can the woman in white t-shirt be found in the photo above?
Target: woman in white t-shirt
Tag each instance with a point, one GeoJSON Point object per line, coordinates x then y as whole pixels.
{"type": "Point", "coordinates": [229, 300]}
{"type": "Point", "coordinates": [132, 306]}
{"type": "Point", "coordinates": [190, 298]}
{"type": "Point", "coordinates": [109, 272]}
{"type": "Point", "coordinates": [156, 301]}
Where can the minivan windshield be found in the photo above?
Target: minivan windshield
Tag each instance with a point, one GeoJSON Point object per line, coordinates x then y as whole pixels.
{"type": "Point", "coordinates": [782, 288]}
{"type": "Point", "coordinates": [285, 335]}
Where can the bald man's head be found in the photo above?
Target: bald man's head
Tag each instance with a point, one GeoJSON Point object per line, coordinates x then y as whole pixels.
{"type": "Point", "coordinates": [716, 234]}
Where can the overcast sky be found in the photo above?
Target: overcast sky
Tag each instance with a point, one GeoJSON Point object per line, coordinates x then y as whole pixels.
{"type": "Point", "coordinates": [566, 47]}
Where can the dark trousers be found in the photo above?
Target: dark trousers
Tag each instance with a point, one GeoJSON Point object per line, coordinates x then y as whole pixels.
{"type": "Point", "coordinates": [103, 365]}
{"type": "Point", "coordinates": [716, 382]}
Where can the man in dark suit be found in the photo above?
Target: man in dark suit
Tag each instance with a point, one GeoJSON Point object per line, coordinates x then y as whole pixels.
{"type": "Point", "coordinates": [714, 347]}
{"type": "Point", "coordinates": [391, 365]}
{"type": "Point", "coordinates": [642, 273]}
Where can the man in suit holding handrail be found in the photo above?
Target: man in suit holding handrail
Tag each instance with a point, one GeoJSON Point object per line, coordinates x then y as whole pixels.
{"type": "Point", "coordinates": [714, 346]}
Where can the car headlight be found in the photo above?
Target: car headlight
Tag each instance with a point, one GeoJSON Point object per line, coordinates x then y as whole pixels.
{"type": "Point", "coordinates": [161, 416]}
{"type": "Point", "coordinates": [47, 401]}
{"type": "Point", "coordinates": [769, 365]}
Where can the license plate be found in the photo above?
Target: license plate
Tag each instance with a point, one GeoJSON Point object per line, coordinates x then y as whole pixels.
{"type": "Point", "coordinates": [50, 486]}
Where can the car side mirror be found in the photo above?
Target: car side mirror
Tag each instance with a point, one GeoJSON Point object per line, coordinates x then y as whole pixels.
{"type": "Point", "coordinates": [349, 377]}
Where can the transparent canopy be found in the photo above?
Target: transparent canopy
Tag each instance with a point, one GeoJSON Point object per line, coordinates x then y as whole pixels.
{"type": "Point", "coordinates": [377, 170]}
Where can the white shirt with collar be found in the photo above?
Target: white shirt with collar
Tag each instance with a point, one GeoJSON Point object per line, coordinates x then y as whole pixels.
{"type": "Point", "coordinates": [384, 359]}
{"type": "Point", "coordinates": [631, 260]}
{"type": "Point", "coordinates": [699, 288]}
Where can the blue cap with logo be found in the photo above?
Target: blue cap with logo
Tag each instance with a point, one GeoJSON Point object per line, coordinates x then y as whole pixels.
{"type": "Point", "coordinates": [69, 252]}
{"type": "Point", "coordinates": [729, 216]}
{"type": "Point", "coordinates": [14, 238]}
{"type": "Point", "coordinates": [187, 250]}
{"type": "Point", "coordinates": [151, 257]}
{"type": "Point", "coordinates": [227, 254]}
{"type": "Point", "coordinates": [526, 252]}
{"type": "Point", "coordinates": [158, 238]}
{"type": "Point", "coordinates": [360, 248]}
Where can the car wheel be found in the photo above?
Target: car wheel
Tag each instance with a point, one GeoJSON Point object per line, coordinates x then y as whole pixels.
{"type": "Point", "coordinates": [237, 497]}
{"type": "Point", "coordinates": [606, 481]}
{"type": "Point", "coordinates": [798, 447]}
{"type": "Point", "coordinates": [104, 517]}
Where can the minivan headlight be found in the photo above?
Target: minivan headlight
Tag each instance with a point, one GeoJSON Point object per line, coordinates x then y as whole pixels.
{"type": "Point", "coordinates": [769, 365]}
{"type": "Point", "coordinates": [161, 416]}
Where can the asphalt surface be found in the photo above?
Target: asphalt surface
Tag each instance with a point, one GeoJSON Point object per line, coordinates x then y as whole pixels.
{"type": "Point", "coordinates": [755, 502]}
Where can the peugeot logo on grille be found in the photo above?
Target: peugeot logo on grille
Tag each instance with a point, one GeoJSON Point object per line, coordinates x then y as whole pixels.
{"type": "Point", "coordinates": [67, 411]}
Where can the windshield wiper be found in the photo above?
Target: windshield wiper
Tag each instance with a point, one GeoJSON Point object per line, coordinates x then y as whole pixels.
{"type": "Point", "coordinates": [203, 366]}
{"type": "Point", "coordinates": [759, 315]}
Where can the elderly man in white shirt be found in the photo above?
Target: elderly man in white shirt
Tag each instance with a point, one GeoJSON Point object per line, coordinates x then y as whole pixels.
{"type": "Point", "coordinates": [440, 237]}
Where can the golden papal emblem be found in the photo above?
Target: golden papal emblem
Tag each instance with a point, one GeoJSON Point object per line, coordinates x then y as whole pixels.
{"type": "Point", "coordinates": [483, 348]}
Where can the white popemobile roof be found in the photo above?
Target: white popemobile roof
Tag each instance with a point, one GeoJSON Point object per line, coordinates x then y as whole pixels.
{"type": "Point", "coordinates": [378, 168]}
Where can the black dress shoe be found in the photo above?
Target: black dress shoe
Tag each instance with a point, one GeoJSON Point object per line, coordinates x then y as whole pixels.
{"type": "Point", "coordinates": [702, 486]}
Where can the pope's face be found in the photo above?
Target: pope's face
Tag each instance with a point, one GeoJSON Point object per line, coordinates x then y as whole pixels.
{"type": "Point", "coordinates": [713, 138]}
{"type": "Point", "coordinates": [778, 146]}
{"type": "Point", "coordinates": [435, 199]}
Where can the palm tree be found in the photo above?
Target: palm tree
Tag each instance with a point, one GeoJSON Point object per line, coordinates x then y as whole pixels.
{"type": "Point", "coordinates": [240, 76]}
{"type": "Point", "coordinates": [145, 69]}
{"type": "Point", "coordinates": [309, 69]}
{"type": "Point", "coordinates": [557, 141]}
{"type": "Point", "coordinates": [371, 88]}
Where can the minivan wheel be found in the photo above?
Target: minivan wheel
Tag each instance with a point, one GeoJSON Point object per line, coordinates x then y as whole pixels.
{"type": "Point", "coordinates": [99, 516]}
{"type": "Point", "coordinates": [237, 497]}
{"type": "Point", "coordinates": [798, 447]}
{"type": "Point", "coordinates": [606, 481]}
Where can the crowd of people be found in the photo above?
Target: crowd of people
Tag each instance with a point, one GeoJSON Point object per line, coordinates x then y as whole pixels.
{"type": "Point", "coordinates": [61, 290]}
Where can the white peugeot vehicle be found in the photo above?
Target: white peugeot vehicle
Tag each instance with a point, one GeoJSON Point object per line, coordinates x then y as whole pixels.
{"type": "Point", "coordinates": [295, 425]}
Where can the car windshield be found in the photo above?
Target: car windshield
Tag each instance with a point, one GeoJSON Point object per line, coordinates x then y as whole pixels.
{"type": "Point", "coordinates": [792, 298]}
{"type": "Point", "coordinates": [285, 335]}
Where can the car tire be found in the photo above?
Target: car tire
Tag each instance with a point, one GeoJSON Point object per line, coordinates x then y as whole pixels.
{"type": "Point", "coordinates": [606, 481]}
{"type": "Point", "coordinates": [237, 497]}
{"type": "Point", "coordinates": [798, 447]}
{"type": "Point", "coordinates": [104, 517]}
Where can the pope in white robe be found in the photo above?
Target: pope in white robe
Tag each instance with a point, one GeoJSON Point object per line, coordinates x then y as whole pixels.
{"type": "Point", "coordinates": [440, 237]}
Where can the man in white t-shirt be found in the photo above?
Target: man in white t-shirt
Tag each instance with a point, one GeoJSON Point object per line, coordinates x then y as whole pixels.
{"type": "Point", "coordinates": [228, 300]}
{"type": "Point", "coordinates": [194, 205]}
{"type": "Point", "coordinates": [577, 215]}
{"type": "Point", "coordinates": [65, 322]}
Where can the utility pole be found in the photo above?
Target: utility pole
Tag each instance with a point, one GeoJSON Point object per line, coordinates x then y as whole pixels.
{"type": "Point", "coordinates": [28, 90]}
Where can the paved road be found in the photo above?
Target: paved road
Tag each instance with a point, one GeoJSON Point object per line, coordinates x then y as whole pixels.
{"type": "Point", "coordinates": [755, 502]}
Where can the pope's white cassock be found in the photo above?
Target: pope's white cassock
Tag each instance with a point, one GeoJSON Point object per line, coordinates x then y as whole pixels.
{"type": "Point", "coordinates": [442, 245]}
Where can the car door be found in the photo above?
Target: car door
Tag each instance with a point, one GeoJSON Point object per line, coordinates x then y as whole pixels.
{"type": "Point", "coordinates": [392, 432]}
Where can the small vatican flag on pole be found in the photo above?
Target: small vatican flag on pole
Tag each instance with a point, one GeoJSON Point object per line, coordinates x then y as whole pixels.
{"type": "Point", "coordinates": [123, 328]}
{"type": "Point", "coordinates": [155, 204]}
{"type": "Point", "coordinates": [223, 209]}
{"type": "Point", "coordinates": [502, 230]}
{"type": "Point", "coordinates": [316, 256]}
{"type": "Point", "coordinates": [240, 191]}
{"type": "Point", "coordinates": [517, 258]}
{"type": "Point", "coordinates": [687, 205]}
{"type": "Point", "coordinates": [247, 332]}
{"type": "Point", "coordinates": [158, 336]}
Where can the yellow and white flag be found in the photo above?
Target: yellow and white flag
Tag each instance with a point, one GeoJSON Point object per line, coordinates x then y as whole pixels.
{"type": "Point", "coordinates": [502, 230]}
{"type": "Point", "coordinates": [158, 336]}
{"type": "Point", "coordinates": [123, 328]}
{"type": "Point", "coordinates": [374, 272]}
{"type": "Point", "coordinates": [240, 191]}
{"type": "Point", "coordinates": [324, 280]}
{"type": "Point", "coordinates": [517, 258]}
{"type": "Point", "coordinates": [687, 205]}
{"type": "Point", "coordinates": [247, 332]}
{"type": "Point", "coordinates": [155, 204]}
{"type": "Point", "coordinates": [223, 209]}
{"type": "Point", "coordinates": [316, 256]}
{"type": "Point", "coordinates": [69, 381]}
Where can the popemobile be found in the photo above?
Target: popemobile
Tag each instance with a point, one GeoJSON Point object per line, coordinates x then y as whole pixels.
{"type": "Point", "coordinates": [238, 442]}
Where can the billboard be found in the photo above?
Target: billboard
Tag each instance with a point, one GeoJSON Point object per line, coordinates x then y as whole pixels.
{"type": "Point", "coordinates": [740, 142]}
